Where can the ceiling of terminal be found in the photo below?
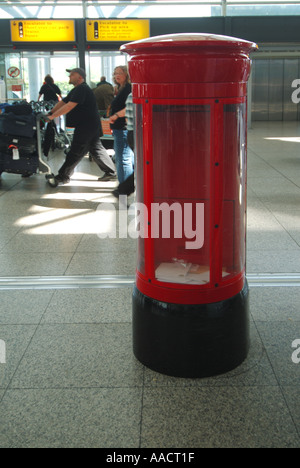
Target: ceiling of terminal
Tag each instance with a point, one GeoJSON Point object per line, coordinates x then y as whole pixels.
{"type": "Point", "coordinates": [144, 9]}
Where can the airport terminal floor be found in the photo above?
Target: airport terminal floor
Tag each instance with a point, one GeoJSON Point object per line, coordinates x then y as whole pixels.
{"type": "Point", "coordinates": [71, 379]}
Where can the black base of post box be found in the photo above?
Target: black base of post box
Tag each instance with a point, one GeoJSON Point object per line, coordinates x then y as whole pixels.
{"type": "Point", "coordinates": [191, 341]}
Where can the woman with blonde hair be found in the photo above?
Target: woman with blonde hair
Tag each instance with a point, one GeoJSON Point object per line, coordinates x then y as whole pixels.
{"type": "Point", "coordinates": [123, 153]}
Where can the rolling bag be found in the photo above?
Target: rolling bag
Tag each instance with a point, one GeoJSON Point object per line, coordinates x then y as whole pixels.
{"type": "Point", "coordinates": [25, 145]}
{"type": "Point", "coordinates": [25, 165]}
{"type": "Point", "coordinates": [18, 125]}
{"type": "Point", "coordinates": [18, 155]}
{"type": "Point", "coordinates": [20, 144]}
{"type": "Point", "coordinates": [19, 109]}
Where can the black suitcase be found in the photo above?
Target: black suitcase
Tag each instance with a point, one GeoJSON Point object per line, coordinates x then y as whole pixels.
{"type": "Point", "coordinates": [19, 109]}
{"type": "Point", "coordinates": [18, 155]}
{"type": "Point", "coordinates": [25, 145]}
{"type": "Point", "coordinates": [25, 165]}
{"type": "Point", "coordinates": [18, 125]}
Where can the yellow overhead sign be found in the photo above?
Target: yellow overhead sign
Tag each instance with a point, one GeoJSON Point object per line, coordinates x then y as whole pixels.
{"type": "Point", "coordinates": [42, 30]}
{"type": "Point", "coordinates": [117, 30]}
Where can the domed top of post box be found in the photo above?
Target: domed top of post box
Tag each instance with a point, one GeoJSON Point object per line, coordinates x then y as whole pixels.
{"type": "Point", "coordinates": [205, 65]}
{"type": "Point", "coordinates": [204, 42]}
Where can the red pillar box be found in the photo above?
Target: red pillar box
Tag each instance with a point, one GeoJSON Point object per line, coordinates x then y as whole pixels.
{"type": "Point", "coordinates": [190, 301]}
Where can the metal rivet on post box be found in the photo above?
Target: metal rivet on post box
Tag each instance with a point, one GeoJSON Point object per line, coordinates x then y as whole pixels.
{"type": "Point", "coordinates": [190, 300]}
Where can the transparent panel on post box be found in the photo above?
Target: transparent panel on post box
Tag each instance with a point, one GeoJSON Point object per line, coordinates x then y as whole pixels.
{"type": "Point", "coordinates": [181, 187]}
{"type": "Point", "coordinates": [139, 169]}
{"type": "Point", "coordinates": [234, 203]}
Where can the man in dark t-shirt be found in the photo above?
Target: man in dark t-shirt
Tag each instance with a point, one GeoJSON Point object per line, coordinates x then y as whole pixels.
{"type": "Point", "coordinates": [81, 112]}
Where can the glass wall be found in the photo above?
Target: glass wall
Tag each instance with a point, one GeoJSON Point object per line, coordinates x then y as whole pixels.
{"type": "Point", "coordinates": [262, 8]}
{"type": "Point", "coordinates": [14, 86]}
{"type": "Point", "coordinates": [103, 64]}
{"type": "Point", "coordinates": [36, 65]}
{"type": "Point", "coordinates": [32, 67]}
{"type": "Point", "coordinates": [149, 9]}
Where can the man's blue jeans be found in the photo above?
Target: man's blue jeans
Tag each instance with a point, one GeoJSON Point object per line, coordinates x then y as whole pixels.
{"type": "Point", "coordinates": [124, 155]}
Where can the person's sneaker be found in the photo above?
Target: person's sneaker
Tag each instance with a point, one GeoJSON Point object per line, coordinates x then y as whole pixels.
{"type": "Point", "coordinates": [106, 177]}
{"type": "Point", "coordinates": [57, 180]}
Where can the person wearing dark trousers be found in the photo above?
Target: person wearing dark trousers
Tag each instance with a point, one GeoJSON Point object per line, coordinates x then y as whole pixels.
{"type": "Point", "coordinates": [127, 186]}
{"type": "Point", "coordinates": [123, 153]}
{"type": "Point", "coordinates": [82, 114]}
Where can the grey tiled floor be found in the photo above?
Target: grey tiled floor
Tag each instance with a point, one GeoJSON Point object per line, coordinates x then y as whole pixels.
{"type": "Point", "coordinates": [70, 378]}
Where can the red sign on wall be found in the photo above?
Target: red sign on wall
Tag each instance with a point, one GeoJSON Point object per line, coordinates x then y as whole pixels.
{"type": "Point", "coordinates": [14, 72]}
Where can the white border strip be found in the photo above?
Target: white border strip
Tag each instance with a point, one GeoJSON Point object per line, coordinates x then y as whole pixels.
{"type": "Point", "coordinates": [274, 279]}
{"type": "Point", "coordinates": [121, 281]}
{"type": "Point", "coordinates": [65, 282]}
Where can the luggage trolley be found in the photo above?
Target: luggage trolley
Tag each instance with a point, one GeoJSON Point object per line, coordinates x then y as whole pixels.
{"type": "Point", "coordinates": [53, 134]}
{"type": "Point", "coordinates": [21, 142]}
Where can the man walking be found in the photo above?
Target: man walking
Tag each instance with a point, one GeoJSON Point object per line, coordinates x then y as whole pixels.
{"type": "Point", "coordinates": [82, 114]}
{"type": "Point", "coordinates": [104, 94]}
